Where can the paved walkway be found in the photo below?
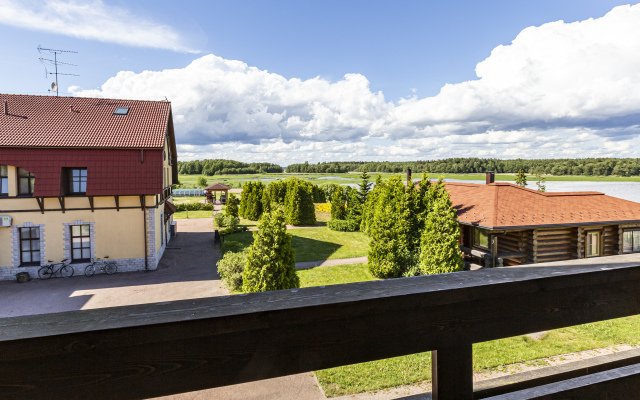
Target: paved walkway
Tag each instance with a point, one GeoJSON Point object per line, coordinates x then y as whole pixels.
{"type": "Point", "coordinates": [186, 271]}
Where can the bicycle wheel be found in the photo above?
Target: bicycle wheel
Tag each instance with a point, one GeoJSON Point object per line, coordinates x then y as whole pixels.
{"type": "Point", "coordinates": [44, 272]}
{"type": "Point", "coordinates": [89, 270]}
{"type": "Point", "coordinates": [66, 271]}
{"type": "Point", "coordinates": [111, 268]}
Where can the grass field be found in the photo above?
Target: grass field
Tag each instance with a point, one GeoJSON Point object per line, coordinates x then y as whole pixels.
{"type": "Point", "coordinates": [314, 244]}
{"type": "Point", "coordinates": [334, 275]}
{"type": "Point", "coordinates": [497, 354]}
{"type": "Point", "coordinates": [236, 181]}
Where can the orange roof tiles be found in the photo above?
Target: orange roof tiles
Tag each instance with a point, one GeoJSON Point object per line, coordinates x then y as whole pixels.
{"type": "Point", "coordinates": [48, 121]}
{"type": "Point", "coordinates": [505, 205]}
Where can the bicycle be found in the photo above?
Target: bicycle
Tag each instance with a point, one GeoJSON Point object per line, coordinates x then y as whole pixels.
{"type": "Point", "coordinates": [46, 271]}
{"type": "Point", "coordinates": [109, 267]}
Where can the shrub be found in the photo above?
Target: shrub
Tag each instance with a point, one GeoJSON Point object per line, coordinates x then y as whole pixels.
{"type": "Point", "coordinates": [440, 251]}
{"type": "Point", "coordinates": [231, 268]}
{"type": "Point", "coordinates": [201, 182]}
{"type": "Point", "coordinates": [338, 210]}
{"type": "Point", "coordinates": [232, 205]}
{"type": "Point", "coordinates": [343, 225]}
{"type": "Point", "coordinates": [228, 221]}
{"type": "Point", "coordinates": [323, 207]}
{"type": "Point", "coordinates": [193, 206]}
{"type": "Point", "coordinates": [298, 206]}
{"type": "Point", "coordinates": [270, 263]}
{"type": "Point", "coordinates": [231, 245]}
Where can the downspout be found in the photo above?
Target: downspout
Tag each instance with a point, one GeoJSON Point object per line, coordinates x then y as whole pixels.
{"type": "Point", "coordinates": [494, 246]}
{"type": "Point", "coordinates": [146, 250]}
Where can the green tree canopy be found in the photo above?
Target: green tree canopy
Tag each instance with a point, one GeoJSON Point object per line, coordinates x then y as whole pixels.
{"type": "Point", "coordinates": [440, 251]}
{"type": "Point", "coordinates": [270, 262]}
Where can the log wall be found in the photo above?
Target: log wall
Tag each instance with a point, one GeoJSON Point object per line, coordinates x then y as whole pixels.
{"type": "Point", "coordinates": [555, 244]}
{"type": "Point", "coordinates": [518, 242]}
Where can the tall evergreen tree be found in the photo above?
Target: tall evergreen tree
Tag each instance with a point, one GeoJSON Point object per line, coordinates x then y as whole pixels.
{"type": "Point", "coordinates": [440, 251]}
{"type": "Point", "coordinates": [391, 231]}
{"type": "Point", "coordinates": [232, 205]}
{"type": "Point", "coordinates": [270, 262]}
{"type": "Point", "coordinates": [354, 208]}
{"type": "Point", "coordinates": [298, 206]}
{"type": "Point", "coordinates": [338, 205]}
{"type": "Point", "coordinates": [363, 187]}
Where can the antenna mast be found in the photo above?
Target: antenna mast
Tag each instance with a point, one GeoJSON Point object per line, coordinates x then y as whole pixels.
{"type": "Point", "coordinates": [55, 62]}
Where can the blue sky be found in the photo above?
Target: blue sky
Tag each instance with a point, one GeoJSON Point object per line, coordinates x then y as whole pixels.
{"type": "Point", "coordinates": [334, 80]}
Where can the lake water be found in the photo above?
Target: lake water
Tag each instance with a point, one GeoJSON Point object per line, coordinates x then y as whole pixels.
{"type": "Point", "coordinates": [622, 190]}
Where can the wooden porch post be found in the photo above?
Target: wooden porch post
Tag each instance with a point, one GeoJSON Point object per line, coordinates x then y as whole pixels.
{"type": "Point", "coordinates": [452, 373]}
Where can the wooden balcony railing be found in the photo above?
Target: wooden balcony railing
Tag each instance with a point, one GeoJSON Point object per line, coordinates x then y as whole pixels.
{"type": "Point", "coordinates": [159, 349]}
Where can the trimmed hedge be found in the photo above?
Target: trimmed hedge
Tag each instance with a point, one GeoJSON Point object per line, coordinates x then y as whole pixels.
{"type": "Point", "coordinates": [343, 225]}
{"type": "Point", "coordinates": [193, 206]}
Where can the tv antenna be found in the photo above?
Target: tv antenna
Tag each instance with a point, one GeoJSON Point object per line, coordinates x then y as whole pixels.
{"type": "Point", "coordinates": [55, 63]}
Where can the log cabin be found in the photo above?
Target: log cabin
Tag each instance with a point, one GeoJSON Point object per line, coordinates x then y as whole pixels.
{"type": "Point", "coordinates": [505, 224]}
{"type": "Point", "coordinates": [84, 178]}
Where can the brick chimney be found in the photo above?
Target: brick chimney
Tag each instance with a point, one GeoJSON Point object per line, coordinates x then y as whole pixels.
{"type": "Point", "coordinates": [491, 177]}
{"type": "Point", "coordinates": [6, 108]}
{"type": "Point", "coordinates": [70, 109]}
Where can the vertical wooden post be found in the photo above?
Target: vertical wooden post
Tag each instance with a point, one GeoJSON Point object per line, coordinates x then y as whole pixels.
{"type": "Point", "coordinates": [452, 373]}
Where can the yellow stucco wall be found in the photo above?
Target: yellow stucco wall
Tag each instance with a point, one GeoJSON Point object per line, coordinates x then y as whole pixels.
{"type": "Point", "coordinates": [118, 234]}
{"type": "Point", "coordinates": [5, 246]}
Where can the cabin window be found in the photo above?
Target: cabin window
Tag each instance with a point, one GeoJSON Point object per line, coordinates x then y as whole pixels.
{"type": "Point", "coordinates": [77, 181]}
{"type": "Point", "coordinates": [80, 243]}
{"type": "Point", "coordinates": [4, 180]}
{"type": "Point", "coordinates": [631, 241]}
{"type": "Point", "coordinates": [29, 246]}
{"type": "Point", "coordinates": [26, 181]}
{"type": "Point", "coordinates": [593, 244]}
{"type": "Point", "coordinates": [481, 238]}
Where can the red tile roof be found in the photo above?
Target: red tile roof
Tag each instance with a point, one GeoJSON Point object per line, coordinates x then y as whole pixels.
{"type": "Point", "coordinates": [217, 186]}
{"type": "Point", "coordinates": [48, 121]}
{"type": "Point", "coordinates": [504, 205]}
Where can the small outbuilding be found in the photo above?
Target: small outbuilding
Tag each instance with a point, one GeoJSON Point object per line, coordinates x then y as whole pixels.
{"type": "Point", "coordinates": [505, 224]}
{"type": "Point", "coordinates": [211, 193]}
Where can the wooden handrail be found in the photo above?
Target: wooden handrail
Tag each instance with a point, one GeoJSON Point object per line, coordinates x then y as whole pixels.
{"type": "Point", "coordinates": [159, 349]}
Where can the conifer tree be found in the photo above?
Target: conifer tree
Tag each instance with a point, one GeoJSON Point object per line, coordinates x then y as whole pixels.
{"type": "Point", "coordinates": [244, 199]}
{"type": "Point", "coordinates": [363, 187]}
{"type": "Point", "coordinates": [390, 246]}
{"type": "Point", "coordinates": [270, 262]}
{"type": "Point", "coordinates": [337, 205]}
{"type": "Point", "coordinates": [521, 179]}
{"type": "Point", "coordinates": [440, 251]}
{"type": "Point", "coordinates": [368, 207]}
{"type": "Point", "coordinates": [354, 209]}
{"type": "Point", "coordinates": [298, 205]}
{"type": "Point", "coordinates": [232, 205]}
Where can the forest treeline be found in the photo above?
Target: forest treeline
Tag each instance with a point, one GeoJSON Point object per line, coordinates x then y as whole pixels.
{"type": "Point", "coordinates": [225, 167]}
{"type": "Point", "coordinates": [582, 166]}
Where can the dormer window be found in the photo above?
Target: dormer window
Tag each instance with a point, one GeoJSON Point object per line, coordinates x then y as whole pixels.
{"type": "Point", "coordinates": [121, 111]}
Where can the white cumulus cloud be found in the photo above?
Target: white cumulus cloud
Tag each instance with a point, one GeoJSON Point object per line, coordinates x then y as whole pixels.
{"type": "Point", "coordinates": [558, 90]}
{"type": "Point", "coordinates": [91, 20]}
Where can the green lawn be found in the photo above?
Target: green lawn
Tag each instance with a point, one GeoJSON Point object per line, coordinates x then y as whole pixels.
{"type": "Point", "coordinates": [313, 244]}
{"type": "Point", "coordinates": [189, 181]}
{"type": "Point", "coordinates": [334, 275]}
{"type": "Point", "coordinates": [416, 368]}
{"type": "Point", "coordinates": [192, 214]}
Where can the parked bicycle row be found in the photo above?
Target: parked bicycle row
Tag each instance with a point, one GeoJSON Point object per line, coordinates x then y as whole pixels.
{"type": "Point", "coordinates": [66, 270]}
